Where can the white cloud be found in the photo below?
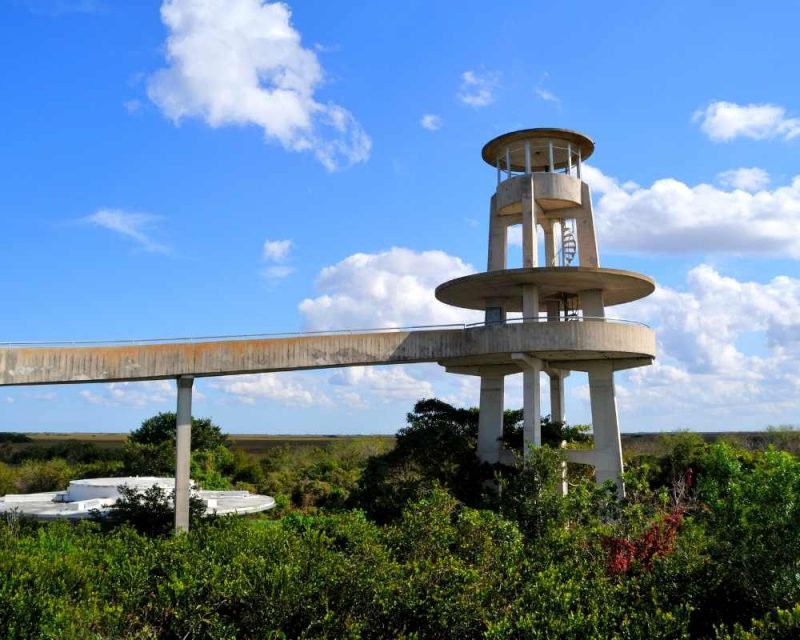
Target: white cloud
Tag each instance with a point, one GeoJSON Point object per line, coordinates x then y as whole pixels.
{"type": "Point", "coordinates": [391, 383]}
{"type": "Point", "coordinates": [394, 288]}
{"type": "Point", "coordinates": [477, 89]}
{"type": "Point", "coordinates": [547, 96]}
{"type": "Point", "coordinates": [746, 178]}
{"type": "Point", "coordinates": [130, 224]}
{"type": "Point", "coordinates": [241, 62]}
{"type": "Point", "coordinates": [673, 217]}
{"type": "Point", "coordinates": [724, 121]}
{"type": "Point", "coordinates": [727, 349]}
{"type": "Point", "coordinates": [431, 122]}
{"type": "Point", "coordinates": [134, 394]}
{"type": "Point", "coordinates": [285, 388]}
{"type": "Point", "coordinates": [277, 250]}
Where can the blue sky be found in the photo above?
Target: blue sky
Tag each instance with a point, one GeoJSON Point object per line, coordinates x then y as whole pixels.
{"type": "Point", "coordinates": [210, 167]}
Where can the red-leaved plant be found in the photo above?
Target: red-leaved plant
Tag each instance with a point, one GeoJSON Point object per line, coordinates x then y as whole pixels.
{"type": "Point", "coordinates": [656, 541]}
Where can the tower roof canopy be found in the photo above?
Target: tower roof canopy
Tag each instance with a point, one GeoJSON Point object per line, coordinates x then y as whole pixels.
{"type": "Point", "coordinates": [473, 291]}
{"type": "Point", "coordinates": [494, 151]}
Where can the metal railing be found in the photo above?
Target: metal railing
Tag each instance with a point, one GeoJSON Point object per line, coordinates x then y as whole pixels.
{"type": "Point", "coordinates": [538, 158]}
{"type": "Point", "coordinates": [302, 334]}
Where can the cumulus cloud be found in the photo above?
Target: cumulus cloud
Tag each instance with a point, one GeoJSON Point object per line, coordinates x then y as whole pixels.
{"type": "Point", "coordinates": [477, 88]}
{"type": "Point", "coordinates": [285, 388]}
{"type": "Point", "coordinates": [431, 122]}
{"type": "Point", "coordinates": [672, 217]}
{"type": "Point", "coordinates": [394, 288]}
{"type": "Point", "coordinates": [391, 383]}
{"type": "Point", "coordinates": [724, 121]}
{"type": "Point", "coordinates": [241, 62]}
{"type": "Point", "coordinates": [747, 178]}
{"type": "Point", "coordinates": [277, 250]}
{"type": "Point", "coordinates": [725, 346]}
{"type": "Point", "coordinates": [133, 394]}
{"type": "Point", "coordinates": [135, 226]}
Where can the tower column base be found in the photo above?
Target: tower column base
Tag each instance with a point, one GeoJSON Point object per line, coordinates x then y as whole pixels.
{"type": "Point", "coordinates": [490, 420]}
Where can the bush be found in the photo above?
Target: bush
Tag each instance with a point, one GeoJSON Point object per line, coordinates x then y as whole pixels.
{"type": "Point", "coordinates": [162, 427]}
{"type": "Point", "coordinates": [151, 512]}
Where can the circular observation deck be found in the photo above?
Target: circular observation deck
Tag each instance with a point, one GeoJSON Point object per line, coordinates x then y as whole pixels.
{"type": "Point", "coordinates": [476, 290]}
{"type": "Point", "coordinates": [538, 150]}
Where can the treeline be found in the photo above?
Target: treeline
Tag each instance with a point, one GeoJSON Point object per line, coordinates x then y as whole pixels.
{"type": "Point", "coordinates": [422, 541]}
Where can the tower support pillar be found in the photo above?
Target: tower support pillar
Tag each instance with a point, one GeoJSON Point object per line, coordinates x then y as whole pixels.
{"type": "Point", "coordinates": [490, 419]}
{"type": "Point", "coordinates": [530, 244]}
{"type": "Point", "coordinates": [183, 449]}
{"type": "Point", "coordinates": [605, 425]}
{"type": "Point", "coordinates": [557, 408]}
{"type": "Point", "coordinates": [531, 400]}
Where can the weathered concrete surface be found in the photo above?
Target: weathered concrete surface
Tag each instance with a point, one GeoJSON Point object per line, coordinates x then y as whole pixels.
{"type": "Point", "coordinates": [484, 345]}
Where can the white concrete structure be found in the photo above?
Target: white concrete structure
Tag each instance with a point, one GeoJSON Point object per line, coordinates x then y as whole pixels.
{"type": "Point", "coordinates": [560, 289]}
{"type": "Point", "coordinates": [84, 496]}
{"type": "Point", "coordinates": [559, 284]}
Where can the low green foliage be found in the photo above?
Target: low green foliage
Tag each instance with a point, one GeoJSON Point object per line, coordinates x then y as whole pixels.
{"type": "Point", "coordinates": [422, 541]}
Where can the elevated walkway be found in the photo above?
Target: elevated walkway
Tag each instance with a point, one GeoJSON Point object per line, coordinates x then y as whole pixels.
{"type": "Point", "coordinates": [570, 343]}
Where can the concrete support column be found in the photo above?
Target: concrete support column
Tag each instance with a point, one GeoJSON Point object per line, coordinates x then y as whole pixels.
{"type": "Point", "coordinates": [549, 243]}
{"type": "Point", "coordinates": [558, 414]}
{"type": "Point", "coordinates": [531, 406]}
{"type": "Point", "coordinates": [183, 449]}
{"type": "Point", "coordinates": [490, 420]}
{"type": "Point", "coordinates": [605, 425]}
{"type": "Point", "coordinates": [530, 302]}
{"type": "Point", "coordinates": [584, 224]}
{"type": "Point", "coordinates": [531, 400]}
{"type": "Point", "coordinates": [530, 244]}
{"type": "Point", "coordinates": [498, 241]}
{"type": "Point", "coordinates": [592, 303]}
{"type": "Point", "coordinates": [557, 407]}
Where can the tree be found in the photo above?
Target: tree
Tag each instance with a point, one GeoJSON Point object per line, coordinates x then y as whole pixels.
{"type": "Point", "coordinates": [161, 428]}
{"type": "Point", "coordinates": [151, 512]}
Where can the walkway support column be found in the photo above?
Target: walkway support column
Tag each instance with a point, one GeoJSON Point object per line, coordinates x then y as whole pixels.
{"type": "Point", "coordinates": [490, 419]}
{"type": "Point", "coordinates": [183, 449]}
{"type": "Point", "coordinates": [531, 403]}
{"type": "Point", "coordinates": [605, 425]}
{"type": "Point", "coordinates": [558, 415]}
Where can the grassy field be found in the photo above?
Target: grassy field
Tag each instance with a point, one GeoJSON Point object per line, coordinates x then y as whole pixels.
{"type": "Point", "coordinates": [258, 444]}
{"type": "Point", "coordinates": [251, 443]}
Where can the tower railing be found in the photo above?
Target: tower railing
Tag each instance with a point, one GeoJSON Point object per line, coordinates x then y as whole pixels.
{"type": "Point", "coordinates": [301, 334]}
{"type": "Point", "coordinates": [538, 157]}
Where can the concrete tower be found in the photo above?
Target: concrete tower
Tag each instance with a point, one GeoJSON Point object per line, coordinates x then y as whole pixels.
{"type": "Point", "coordinates": [560, 290]}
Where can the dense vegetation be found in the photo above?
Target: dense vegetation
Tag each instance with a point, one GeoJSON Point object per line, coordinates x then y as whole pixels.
{"type": "Point", "coordinates": [420, 541]}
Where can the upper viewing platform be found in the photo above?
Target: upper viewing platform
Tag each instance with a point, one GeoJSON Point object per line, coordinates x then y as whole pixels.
{"type": "Point", "coordinates": [543, 150]}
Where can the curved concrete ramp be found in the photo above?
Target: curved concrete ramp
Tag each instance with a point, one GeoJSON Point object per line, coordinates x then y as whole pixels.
{"type": "Point", "coordinates": [27, 365]}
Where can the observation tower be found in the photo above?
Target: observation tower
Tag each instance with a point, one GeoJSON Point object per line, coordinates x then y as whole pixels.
{"type": "Point", "coordinates": [560, 290]}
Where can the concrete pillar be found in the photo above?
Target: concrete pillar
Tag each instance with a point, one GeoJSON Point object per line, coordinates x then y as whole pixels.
{"type": "Point", "coordinates": [531, 405]}
{"type": "Point", "coordinates": [605, 425]}
{"type": "Point", "coordinates": [558, 414]}
{"type": "Point", "coordinates": [490, 420]}
{"type": "Point", "coordinates": [530, 244]}
{"type": "Point", "coordinates": [530, 303]}
{"type": "Point", "coordinates": [531, 394]}
{"type": "Point", "coordinates": [592, 303]}
{"type": "Point", "coordinates": [498, 241]}
{"type": "Point", "coordinates": [183, 449]}
{"type": "Point", "coordinates": [557, 408]}
{"type": "Point", "coordinates": [549, 243]}
{"type": "Point", "coordinates": [584, 224]}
